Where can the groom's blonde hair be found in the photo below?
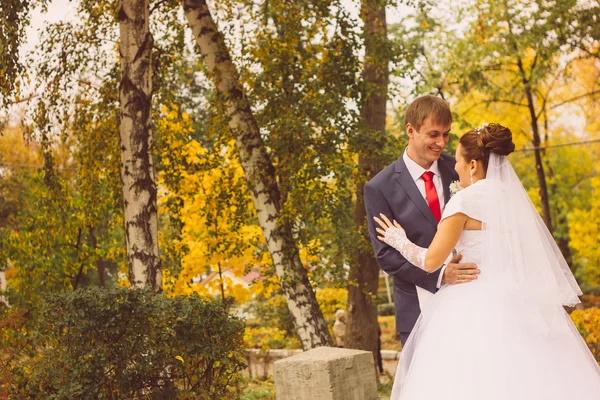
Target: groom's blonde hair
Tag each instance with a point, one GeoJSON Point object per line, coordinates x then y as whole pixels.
{"type": "Point", "coordinates": [428, 107]}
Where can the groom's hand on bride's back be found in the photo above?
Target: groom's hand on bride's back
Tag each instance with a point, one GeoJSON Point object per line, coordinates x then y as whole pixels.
{"type": "Point", "coordinates": [459, 273]}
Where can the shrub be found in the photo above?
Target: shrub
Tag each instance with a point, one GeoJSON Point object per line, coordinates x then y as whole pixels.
{"type": "Point", "coordinates": [588, 324]}
{"type": "Point", "coordinates": [386, 310]}
{"type": "Point", "coordinates": [13, 342]}
{"type": "Point", "coordinates": [270, 312]}
{"type": "Point", "coordinates": [129, 344]}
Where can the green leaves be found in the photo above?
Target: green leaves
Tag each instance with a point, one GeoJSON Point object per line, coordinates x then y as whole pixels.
{"type": "Point", "coordinates": [119, 343]}
{"type": "Point", "coordinates": [302, 76]}
{"type": "Point", "coordinates": [14, 19]}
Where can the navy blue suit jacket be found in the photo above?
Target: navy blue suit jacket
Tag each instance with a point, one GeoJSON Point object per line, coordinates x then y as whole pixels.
{"type": "Point", "coordinates": [394, 193]}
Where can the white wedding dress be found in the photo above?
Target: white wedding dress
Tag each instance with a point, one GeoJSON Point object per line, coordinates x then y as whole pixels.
{"type": "Point", "coordinates": [490, 339]}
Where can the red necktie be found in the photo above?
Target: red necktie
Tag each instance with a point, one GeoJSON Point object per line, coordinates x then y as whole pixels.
{"type": "Point", "coordinates": [431, 194]}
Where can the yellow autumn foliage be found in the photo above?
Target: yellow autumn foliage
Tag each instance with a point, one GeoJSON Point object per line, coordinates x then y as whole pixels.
{"type": "Point", "coordinates": [218, 249]}
{"type": "Point", "coordinates": [330, 300]}
{"type": "Point", "coordinates": [17, 152]}
{"type": "Point", "coordinates": [584, 231]}
{"type": "Point", "coordinates": [588, 324]}
{"type": "Point", "coordinates": [220, 239]}
{"type": "Point", "coordinates": [267, 338]}
{"type": "Point", "coordinates": [571, 171]}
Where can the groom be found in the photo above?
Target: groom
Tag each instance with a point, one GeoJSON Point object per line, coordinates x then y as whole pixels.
{"type": "Point", "coordinates": [413, 191]}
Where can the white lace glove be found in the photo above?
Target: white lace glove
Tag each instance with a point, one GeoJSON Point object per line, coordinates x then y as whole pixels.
{"type": "Point", "coordinates": [394, 235]}
{"type": "Point", "coordinates": [414, 254]}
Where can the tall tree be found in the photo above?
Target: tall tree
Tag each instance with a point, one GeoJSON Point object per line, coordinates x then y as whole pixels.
{"type": "Point", "coordinates": [260, 176]}
{"type": "Point", "coordinates": [79, 77]}
{"type": "Point", "coordinates": [137, 171]}
{"type": "Point", "coordinates": [362, 327]}
{"type": "Point", "coordinates": [299, 64]}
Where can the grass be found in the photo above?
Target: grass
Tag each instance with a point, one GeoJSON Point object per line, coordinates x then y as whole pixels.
{"type": "Point", "coordinates": [259, 389]}
{"type": "Point", "coordinates": [384, 390]}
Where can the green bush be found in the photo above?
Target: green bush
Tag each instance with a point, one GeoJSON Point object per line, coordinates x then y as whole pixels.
{"type": "Point", "coordinates": [271, 312]}
{"type": "Point", "coordinates": [129, 344]}
{"type": "Point", "coordinates": [385, 310]}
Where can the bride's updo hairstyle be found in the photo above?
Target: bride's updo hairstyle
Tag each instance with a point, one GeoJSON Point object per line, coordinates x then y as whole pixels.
{"type": "Point", "coordinates": [477, 144]}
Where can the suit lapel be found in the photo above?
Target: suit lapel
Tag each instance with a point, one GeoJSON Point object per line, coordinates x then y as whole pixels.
{"type": "Point", "coordinates": [410, 187]}
{"type": "Point", "coordinates": [448, 175]}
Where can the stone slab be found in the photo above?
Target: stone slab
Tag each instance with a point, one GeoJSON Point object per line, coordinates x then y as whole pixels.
{"type": "Point", "coordinates": [390, 354]}
{"type": "Point", "coordinates": [326, 373]}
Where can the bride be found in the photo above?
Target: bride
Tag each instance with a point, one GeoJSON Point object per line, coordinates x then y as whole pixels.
{"type": "Point", "coordinates": [506, 335]}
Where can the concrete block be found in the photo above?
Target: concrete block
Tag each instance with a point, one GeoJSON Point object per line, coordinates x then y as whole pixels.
{"type": "Point", "coordinates": [390, 354]}
{"type": "Point", "coordinates": [326, 373]}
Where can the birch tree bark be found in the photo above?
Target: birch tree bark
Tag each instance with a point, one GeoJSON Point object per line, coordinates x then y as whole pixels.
{"type": "Point", "coordinates": [362, 327]}
{"type": "Point", "coordinates": [260, 175]}
{"type": "Point", "coordinates": [137, 172]}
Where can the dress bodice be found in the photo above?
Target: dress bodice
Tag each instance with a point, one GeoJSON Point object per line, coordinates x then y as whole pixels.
{"type": "Point", "coordinates": [468, 201]}
{"type": "Point", "coordinates": [469, 245]}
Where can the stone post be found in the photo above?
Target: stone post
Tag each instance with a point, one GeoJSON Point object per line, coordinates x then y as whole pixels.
{"type": "Point", "coordinates": [326, 373]}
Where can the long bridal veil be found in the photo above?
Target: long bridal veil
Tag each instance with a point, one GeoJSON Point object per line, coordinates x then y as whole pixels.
{"type": "Point", "coordinates": [520, 247]}
{"type": "Point", "coordinates": [520, 251]}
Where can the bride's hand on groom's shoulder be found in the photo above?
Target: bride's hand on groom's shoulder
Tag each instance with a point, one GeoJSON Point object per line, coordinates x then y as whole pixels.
{"type": "Point", "coordinates": [456, 273]}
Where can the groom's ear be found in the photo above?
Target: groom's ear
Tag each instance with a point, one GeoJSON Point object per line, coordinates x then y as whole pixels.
{"type": "Point", "coordinates": [410, 130]}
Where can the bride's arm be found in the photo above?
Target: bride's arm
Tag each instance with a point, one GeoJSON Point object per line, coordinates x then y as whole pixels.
{"type": "Point", "coordinates": [441, 247]}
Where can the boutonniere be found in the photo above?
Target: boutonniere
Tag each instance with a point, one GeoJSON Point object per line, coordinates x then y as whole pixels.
{"type": "Point", "coordinates": [455, 188]}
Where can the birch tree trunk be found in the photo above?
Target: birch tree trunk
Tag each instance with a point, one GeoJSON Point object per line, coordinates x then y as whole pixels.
{"type": "Point", "coordinates": [362, 327]}
{"type": "Point", "coordinates": [137, 172]}
{"type": "Point", "coordinates": [260, 176]}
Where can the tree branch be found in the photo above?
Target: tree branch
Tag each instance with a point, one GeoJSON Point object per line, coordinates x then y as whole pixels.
{"type": "Point", "coordinates": [533, 65]}
{"type": "Point", "coordinates": [545, 97]}
{"type": "Point", "coordinates": [514, 103]}
{"type": "Point", "coordinates": [25, 99]}
{"type": "Point", "coordinates": [157, 5]}
{"type": "Point", "coordinates": [562, 103]}
{"type": "Point", "coordinates": [79, 275]}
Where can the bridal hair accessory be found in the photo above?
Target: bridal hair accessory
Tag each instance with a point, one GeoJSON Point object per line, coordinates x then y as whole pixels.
{"type": "Point", "coordinates": [455, 188]}
{"type": "Point", "coordinates": [479, 138]}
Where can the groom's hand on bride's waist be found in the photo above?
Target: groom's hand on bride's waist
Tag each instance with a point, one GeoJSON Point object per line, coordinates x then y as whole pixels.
{"type": "Point", "coordinates": [455, 273]}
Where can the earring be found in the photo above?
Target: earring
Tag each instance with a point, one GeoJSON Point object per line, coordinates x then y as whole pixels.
{"type": "Point", "coordinates": [471, 177]}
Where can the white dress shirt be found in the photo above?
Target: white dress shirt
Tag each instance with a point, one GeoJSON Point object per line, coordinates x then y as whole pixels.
{"type": "Point", "coordinates": [416, 171]}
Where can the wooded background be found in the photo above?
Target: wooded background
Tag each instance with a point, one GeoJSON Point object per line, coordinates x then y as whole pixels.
{"type": "Point", "coordinates": [162, 143]}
